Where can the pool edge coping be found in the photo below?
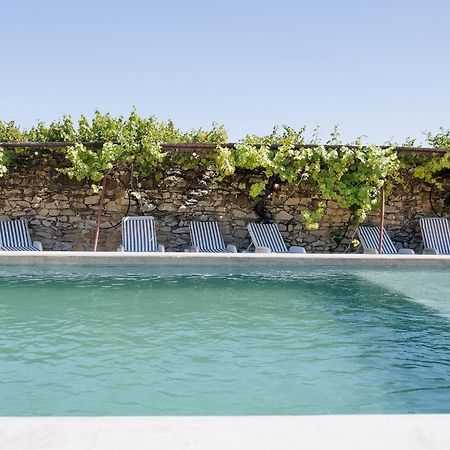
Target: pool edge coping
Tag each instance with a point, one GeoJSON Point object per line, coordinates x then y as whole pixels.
{"type": "Point", "coordinates": [215, 259]}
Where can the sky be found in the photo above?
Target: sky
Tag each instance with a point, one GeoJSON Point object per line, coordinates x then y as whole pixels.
{"type": "Point", "coordinates": [377, 68]}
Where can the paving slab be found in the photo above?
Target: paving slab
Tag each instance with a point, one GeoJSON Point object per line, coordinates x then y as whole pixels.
{"type": "Point", "coordinates": [371, 432]}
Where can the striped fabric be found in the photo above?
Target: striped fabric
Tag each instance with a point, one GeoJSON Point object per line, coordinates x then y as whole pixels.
{"type": "Point", "coordinates": [206, 236]}
{"type": "Point", "coordinates": [370, 238]}
{"type": "Point", "coordinates": [138, 234]}
{"type": "Point", "coordinates": [19, 249]}
{"type": "Point", "coordinates": [267, 235]}
{"type": "Point", "coordinates": [15, 236]}
{"type": "Point", "coordinates": [436, 234]}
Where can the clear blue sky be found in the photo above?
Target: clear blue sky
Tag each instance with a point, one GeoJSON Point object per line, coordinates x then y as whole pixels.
{"type": "Point", "coordinates": [379, 68]}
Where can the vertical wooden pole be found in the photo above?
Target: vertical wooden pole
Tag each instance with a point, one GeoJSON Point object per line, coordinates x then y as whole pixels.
{"type": "Point", "coordinates": [100, 212]}
{"type": "Point", "coordinates": [380, 242]}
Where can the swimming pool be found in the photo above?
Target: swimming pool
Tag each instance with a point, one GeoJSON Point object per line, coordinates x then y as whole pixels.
{"type": "Point", "coordinates": [199, 341]}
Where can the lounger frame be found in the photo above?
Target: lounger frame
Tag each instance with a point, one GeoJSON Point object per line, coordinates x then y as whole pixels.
{"type": "Point", "coordinates": [15, 236]}
{"type": "Point", "coordinates": [369, 236]}
{"type": "Point", "coordinates": [206, 238]}
{"type": "Point", "coordinates": [266, 238]}
{"type": "Point", "coordinates": [139, 235]}
{"type": "Point", "coordinates": [435, 235]}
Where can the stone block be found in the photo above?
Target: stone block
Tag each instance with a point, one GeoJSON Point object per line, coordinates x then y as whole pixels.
{"type": "Point", "coordinates": [283, 215]}
{"type": "Point", "coordinates": [112, 206]}
{"type": "Point", "coordinates": [292, 201]}
{"type": "Point", "coordinates": [181, 230]}
{"type": "Point", "coordinates": [238, 213]}
{"type": "Point", "coordinates": [168, 207]}
{"type": "Point", "coordinates": [23, 204]}
{"type": "Point", "coordinates": [92, 200]}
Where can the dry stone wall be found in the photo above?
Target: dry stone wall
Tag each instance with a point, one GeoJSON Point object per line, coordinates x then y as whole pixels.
{"type": "Point", "coordinates": [62, 212]}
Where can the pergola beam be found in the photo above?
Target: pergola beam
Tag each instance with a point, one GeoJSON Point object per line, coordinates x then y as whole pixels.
{"type": "Point", "coordinates": [187, 147]}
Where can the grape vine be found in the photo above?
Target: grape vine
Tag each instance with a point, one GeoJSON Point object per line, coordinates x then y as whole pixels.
{"type": "Point", "coordinates": [350, 175]}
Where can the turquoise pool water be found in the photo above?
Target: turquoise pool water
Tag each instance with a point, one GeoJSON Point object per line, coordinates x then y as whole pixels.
{"type": "Point", "coordinates": [175, 342]}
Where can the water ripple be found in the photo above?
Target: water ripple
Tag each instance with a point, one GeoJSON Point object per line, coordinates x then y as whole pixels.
{"type": "Point", "coordinates": [85, 342]}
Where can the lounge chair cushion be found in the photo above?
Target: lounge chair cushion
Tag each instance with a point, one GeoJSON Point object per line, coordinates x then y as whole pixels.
{"type": "Point", "coordinates": [266, 238]}
{"type": "Point", "coordinates": [369, 237]}
{"type": "Point", "coordinates": [15, 236]}
{"type": "Point", "coordinates": [206, 238]}
{"type": "Point", "coordinates": [436, 234]}
{"type": "Point", "coordinates": [139, 235]}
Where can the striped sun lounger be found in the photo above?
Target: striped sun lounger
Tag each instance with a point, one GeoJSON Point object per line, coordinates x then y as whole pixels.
{"type": "Point", "coordinates": [436, 235]}
{"type": "Point", "coordinates": [206, 238]}
{"type": "Point", "coordinates": [139, 235]}
{"type": "Point", "coordinates": [266, 238]}
{"type": "Point", "coordinates": [369, 237]}
{"type": "Point", "coordinates": [15, 236]}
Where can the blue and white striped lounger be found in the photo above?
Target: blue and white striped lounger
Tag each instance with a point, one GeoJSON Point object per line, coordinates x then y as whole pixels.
{"type": "Point", "coordinates": [436, 235]}
{"type": "Point", "coordinates": [206, 238]}
{"type": "Point", "coordinates": [266, 238]}
{"type": "Point", "coordinates": [369, 237]}
{"type": "Point", "coordinates": [139, 235]}
{"type": "Point", "coordinates": [15, 236]}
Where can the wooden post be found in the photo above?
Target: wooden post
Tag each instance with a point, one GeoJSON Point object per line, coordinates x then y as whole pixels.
{"type": "Point", "coordinates": [100, 212]}
{"type": "Point", "coordinates": [380, 242]}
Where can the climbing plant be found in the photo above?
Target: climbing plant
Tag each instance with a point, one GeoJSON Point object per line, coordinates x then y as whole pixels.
{"type": "Point", "coordinates": [429, 169]}
{"type": "Point", "coordinates": [131, 144]}
{"type": "Point", "coordinates": [350, 175]}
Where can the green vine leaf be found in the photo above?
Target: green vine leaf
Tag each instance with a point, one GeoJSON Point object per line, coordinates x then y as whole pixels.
{"type": "Point", "coordinates": [257, 188]}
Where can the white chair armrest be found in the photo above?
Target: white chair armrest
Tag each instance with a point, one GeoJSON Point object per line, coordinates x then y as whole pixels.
{"type": "Point", "coordinates": [161, 248]}
{"type": "Point", "coordinates": [120, 249]}
{"type": "Point", "coordinates": [370, 251]}
{"type": "Point", "coordinates": [430, 251]}
{"type": "Point", "coordinates": [193, 249]}
{"type": "Point", "coordinates": [262, 250]}
{"type": "Point", "coordinates": [296, 249]}
{"type": "Point", "coordinates": [406, 251]}
{"type": "Point", "coordinates": [232, 248]}
{"type": "Point", "coordinates": [37, 245]}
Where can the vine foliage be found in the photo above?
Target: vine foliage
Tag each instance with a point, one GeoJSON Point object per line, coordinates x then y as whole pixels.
{"type": "Point", "coordinates": [350, 175]}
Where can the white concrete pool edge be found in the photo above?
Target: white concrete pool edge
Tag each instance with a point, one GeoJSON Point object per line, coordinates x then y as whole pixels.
{"type": "Point", "coordinates": [217, 259]}
{"type": "Point", "coordinates": [362, 432]}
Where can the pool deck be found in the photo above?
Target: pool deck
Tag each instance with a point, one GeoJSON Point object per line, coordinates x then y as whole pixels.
{"type": "Point", "coordinates": [218, 259]}
{"type": "Point", "coordinates": [371, 432]}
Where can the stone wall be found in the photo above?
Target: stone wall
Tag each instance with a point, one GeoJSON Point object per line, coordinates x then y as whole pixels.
{"type": "Point", "coordinates": [62, 212]}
